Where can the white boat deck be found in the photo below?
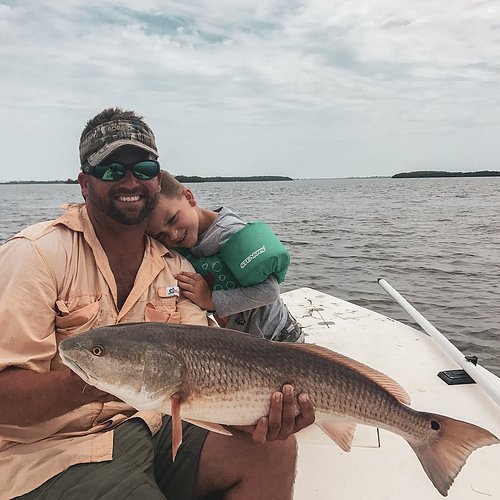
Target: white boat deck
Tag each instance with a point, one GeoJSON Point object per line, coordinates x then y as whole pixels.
{"type": "Point", "coordinates": [381, 465]}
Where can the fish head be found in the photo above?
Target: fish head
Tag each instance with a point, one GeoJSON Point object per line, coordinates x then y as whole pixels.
{"type": "Point", "coordinates": [118, 360]}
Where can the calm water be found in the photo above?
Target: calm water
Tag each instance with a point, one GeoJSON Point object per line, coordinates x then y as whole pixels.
{"type": "Point", "coordinates": [435, 240]}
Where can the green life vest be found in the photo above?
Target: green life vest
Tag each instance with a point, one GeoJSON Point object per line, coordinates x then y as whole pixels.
{"type": "Point", "coordinates": [246, 259]}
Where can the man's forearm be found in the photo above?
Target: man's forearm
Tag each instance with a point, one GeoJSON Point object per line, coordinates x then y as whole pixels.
{"type": "Point", "coordinates": [29, 398]}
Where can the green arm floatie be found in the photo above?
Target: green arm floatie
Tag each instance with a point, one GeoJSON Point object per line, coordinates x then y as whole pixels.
{"type": "Point", "coordinates": [247, 258]}
{"type": "Point", "coordinates": [255, 252]}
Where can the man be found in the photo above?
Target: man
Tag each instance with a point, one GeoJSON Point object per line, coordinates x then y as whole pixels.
{"type": "Point", "coordinates": [94, 266]}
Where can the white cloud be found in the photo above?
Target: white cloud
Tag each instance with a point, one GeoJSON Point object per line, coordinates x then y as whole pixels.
{"type": "Point", "coordinates": [243, 87]}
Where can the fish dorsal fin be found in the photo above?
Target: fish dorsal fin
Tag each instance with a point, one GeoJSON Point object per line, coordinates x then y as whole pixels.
{"type": "Point", "coordinates": [389, 384]}
{"type": "Point", "coordinates": [341, 432]}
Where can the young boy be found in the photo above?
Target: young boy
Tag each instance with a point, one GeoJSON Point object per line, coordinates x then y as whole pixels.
{"type": "Point", "coordinates": [247, 300]}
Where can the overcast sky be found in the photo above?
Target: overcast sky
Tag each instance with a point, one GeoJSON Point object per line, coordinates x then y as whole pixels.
{"type": "Point", "coordinates": [302, 88]}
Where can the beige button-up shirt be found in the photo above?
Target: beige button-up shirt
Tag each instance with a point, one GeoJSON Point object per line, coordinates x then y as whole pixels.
{"type": "Point", "coordinates": [55, 281]}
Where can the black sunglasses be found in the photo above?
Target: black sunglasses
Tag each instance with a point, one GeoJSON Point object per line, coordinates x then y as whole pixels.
{"type": "Point", "coordinates": [144, 170]}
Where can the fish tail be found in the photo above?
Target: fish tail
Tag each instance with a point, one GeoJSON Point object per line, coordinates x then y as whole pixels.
{"type": "Point", "coordinates": [444, 455]}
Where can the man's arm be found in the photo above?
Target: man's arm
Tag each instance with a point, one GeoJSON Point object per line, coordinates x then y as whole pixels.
{"type": "Point", "coordinates": [29, 391]}
{"type": "Point", "coordinates": [29, 398]}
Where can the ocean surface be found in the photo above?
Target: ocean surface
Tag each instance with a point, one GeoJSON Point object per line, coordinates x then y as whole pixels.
{"type": "Point", "coordinates": [437, 241]}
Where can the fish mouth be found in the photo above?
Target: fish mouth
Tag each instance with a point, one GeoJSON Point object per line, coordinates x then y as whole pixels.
{"type": "Point", "coordinates": [74, 366]}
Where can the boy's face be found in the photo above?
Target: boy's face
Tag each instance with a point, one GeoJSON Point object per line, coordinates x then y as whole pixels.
{"type": "Point", "coordinates": [174, 221]}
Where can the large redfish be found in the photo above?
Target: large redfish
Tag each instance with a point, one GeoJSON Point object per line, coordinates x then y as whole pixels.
{"type": "Point", "coordinates": [222, 376]}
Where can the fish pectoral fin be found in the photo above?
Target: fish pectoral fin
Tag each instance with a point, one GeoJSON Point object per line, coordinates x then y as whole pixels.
{"type": "Point", "coordinates": [210, 426]}
{"type": "Point", "coordinates": [340, 432]}
{"type": "Point", "coordinates": [176, 422]}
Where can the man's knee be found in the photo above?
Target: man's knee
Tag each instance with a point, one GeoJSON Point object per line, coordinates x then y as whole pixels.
{"type": "Point", "coordinates": [281, 457]}
{"type": "Point", "coordinates": [242, 450]}
{"type": "Point", "coordinates": [228, 462]}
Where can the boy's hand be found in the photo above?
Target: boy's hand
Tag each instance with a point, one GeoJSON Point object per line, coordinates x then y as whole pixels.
{"type": "Point", "coordinates": [196, 289]}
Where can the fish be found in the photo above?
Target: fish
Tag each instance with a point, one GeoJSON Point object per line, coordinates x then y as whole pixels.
{"type": "Point", "coordinates": [216, 377]}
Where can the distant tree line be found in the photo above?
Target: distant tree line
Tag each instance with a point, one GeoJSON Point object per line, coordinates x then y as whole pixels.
{"type": "Point", "coordinates": [67, 181]}
{"type": "Point", "coordinates": [181, 178]}
{"type": "Point", "coordinates": [442, 173]}
{"type": "Point", "coordinates": [194, 178]}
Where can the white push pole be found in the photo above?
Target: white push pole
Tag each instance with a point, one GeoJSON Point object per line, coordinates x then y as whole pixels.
{"type": "Point", "coordinates": [481, 378]}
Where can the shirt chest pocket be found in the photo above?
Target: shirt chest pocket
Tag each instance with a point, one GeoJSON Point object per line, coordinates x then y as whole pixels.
{"type": "Point", "coordinates": [72, 321]}
{"type": "Point", "coordinates": [79, 318]}
{"type": "Point", "coordinates": [162, 310]}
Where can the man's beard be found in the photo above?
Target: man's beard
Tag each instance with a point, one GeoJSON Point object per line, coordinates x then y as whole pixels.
{"type": "Point", "coordinates": [107, 207]}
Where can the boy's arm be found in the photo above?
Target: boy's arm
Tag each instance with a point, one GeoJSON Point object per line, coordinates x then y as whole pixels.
{"type": "Point", "coordinates": [227, 302]}
{"type": "Point", "coordinates": [192, 312]}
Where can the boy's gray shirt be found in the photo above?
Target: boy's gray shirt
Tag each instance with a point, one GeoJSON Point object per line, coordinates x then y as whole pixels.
{"type": "Point", "coordinates": [259, 309]}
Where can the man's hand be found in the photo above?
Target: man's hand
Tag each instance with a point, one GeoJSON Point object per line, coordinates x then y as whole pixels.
{"type": "Point", "coordinates": [196, 289]}
{"type": "Point", "coordinates": [282, 422]}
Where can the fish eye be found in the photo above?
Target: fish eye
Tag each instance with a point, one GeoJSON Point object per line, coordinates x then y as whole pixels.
{"type": "Point", "coordinates": [97, 350]}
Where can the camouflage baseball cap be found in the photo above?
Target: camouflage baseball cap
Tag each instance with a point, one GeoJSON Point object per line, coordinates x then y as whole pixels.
{"type": "Point", "coordinates": [106, 138]}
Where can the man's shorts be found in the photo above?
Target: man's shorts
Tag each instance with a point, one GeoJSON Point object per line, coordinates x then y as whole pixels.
{"type": "Point", "coordinates": [141, 468]}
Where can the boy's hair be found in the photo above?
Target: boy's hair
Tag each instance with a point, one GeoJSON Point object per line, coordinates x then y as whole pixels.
{"type": "Point", "coordinates": [170, 186]}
